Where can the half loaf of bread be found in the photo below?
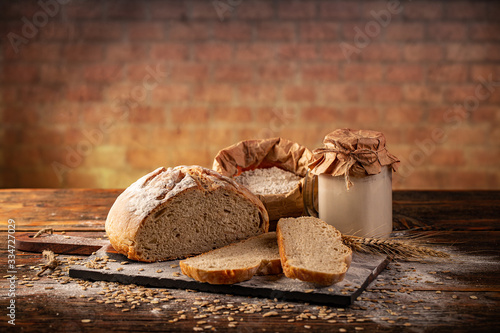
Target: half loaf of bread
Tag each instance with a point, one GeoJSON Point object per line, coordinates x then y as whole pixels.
{"type": "Point", "coordinates": [312, 250]}
{"type": "Point", "coordinates": [178, 212]}
{"type": "Point", "coordinates": [236, 262]}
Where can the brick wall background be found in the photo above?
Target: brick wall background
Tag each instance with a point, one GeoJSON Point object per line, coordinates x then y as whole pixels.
{"type": "Point", "coordinates": [98, 93]}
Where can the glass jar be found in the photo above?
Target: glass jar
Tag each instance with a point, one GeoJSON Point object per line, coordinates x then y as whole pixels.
{"type": "Point", "coordinates": [365, 209]}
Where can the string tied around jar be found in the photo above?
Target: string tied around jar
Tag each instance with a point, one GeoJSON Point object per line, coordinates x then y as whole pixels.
{"type": "Point", "coordinates": [352, 153]}
{"type": "Point", "coordinates": [352, 156]}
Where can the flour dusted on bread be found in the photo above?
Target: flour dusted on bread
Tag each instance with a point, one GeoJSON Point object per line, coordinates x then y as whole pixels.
{"type": "Point", "coordinates": [177, 212]}
{"type": "Point", "coordinates": [269, 181]}
{"type": "Point", "coordinates": [236, 262]}
{"type": "Point", "coordinates": [312, 250]}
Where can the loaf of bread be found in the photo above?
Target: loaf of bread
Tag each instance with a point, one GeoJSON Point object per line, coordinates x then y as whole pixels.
{"type": "Point", "coordinates": [178, 212]}
{"type": "Point", "coordinates": [236, 262]}
{"type": "Point", "coordinates": [250, 158]}
{"type": "Point", "coordinates": [312, 250]}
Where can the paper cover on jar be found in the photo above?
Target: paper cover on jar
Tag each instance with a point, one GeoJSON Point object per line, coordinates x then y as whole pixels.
{"type": "Point", "coordinates": [355, 153]}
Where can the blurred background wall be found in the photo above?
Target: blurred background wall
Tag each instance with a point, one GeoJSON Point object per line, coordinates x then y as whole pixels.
{"type": "Point", "coordinates": [98, 93]}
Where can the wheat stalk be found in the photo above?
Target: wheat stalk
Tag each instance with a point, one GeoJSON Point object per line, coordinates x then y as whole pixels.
{"type": "Point", "coordinates": [401, 249]}
{"type": "Point", "coordinates": [52, 262]}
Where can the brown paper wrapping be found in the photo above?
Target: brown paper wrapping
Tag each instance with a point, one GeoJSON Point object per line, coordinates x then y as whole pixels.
{"type": "Point", "coordinates": [356, 153]}
{"type": "Point", "coordinates": [266, 153]}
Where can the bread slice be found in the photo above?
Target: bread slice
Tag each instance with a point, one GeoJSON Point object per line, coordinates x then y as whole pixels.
{"type": "Point", "coordinates": [178, 212]}
{"type": "Point", "coordinates": [236, 262]}
{"type": "Point", "coordinates": [312, 250]}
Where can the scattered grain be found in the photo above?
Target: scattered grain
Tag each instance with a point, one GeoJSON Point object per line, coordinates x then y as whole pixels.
{"type": "Point", "coordinates": [270, 313]}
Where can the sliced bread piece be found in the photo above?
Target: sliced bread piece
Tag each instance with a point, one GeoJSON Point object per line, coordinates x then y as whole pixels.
{"type": "Point", "coordinates": [236, 262]}
{"type": "Point", "coordinates": [312, 250]}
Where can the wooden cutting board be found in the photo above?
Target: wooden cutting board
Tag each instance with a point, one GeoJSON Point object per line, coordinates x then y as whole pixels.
{"type": "Point", "coordinates": [364, 269]}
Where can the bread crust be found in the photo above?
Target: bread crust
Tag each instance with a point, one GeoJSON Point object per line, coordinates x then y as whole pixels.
{"type": "Point", "coordinates": [153, 192]}
{"type": "Point", "coordinates": [227, 276]}
{"type": "Point", "coordinates": [230, 276]}
{"type": "Point", "coordinates": [307, 275]}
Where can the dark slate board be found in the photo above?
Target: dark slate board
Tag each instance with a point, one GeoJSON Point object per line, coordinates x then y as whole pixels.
{"type": "Point", "coordinates": [364, 269]}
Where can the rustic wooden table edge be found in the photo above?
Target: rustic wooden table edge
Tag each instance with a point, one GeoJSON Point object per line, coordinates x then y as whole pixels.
{"type": "Point", "coordinates": [425, 296]}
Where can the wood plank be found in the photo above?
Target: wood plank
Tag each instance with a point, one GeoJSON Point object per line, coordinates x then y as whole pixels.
{"type": "Point", "coordinates": [86, 209]}
{"type": "Point", "coordinates": [64, 244]}
{"type": "Point", "coordinates": [448, 210]}
{"type": "Point", "coordinates": [473, 265]}
{"type": "Point", "coordinates": [62, 209]}
{"type": "Point", "coordinates": [443, 314]}
{"type": "Point", "coordinates": [469, 301]}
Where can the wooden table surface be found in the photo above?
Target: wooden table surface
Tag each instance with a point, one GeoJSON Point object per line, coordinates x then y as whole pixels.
{"type": "Point", "coordinates": [457, 294]}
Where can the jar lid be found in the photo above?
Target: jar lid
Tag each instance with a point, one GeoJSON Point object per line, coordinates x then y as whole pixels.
{"type": "Point", "coordinates": [356, 153]}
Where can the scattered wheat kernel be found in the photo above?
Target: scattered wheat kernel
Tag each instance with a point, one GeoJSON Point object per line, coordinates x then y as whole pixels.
{"type": "Point", "coordinates": [125, 310]}
{"type": "Point", "coordinates": [198, 329]}
{"type": "Point", "coordinates": [159, 271]}
{"type": "Point", "coordinates": [86, 320]}
{"type": "Point", "coordinates": [359, 328]}
{"type": "Point", "coordinates": [119, 269]}
{"type": "Point", "coordinates": [438, 291]}
{"type": "Point", "coordinates": [308, 290]}
{"type": "Point", "coordinates": [177, 274]}
{"type": "Point", "coordinates": [307, 326]}
{"type": "Point", "coordinates": [342, 330]}
{"type": "Point", "coordinates": [230, 318]}
{"type": "Point", "coordinates": [48, 288]}
{"type": "Point", "coordinates": [270, 313]}
{"type": "Point", "coordinates": [473, 297]}
{"type": "Point", "coordinates": [201, 322]}
{"type": "Point", "coordinates": [407, 324]}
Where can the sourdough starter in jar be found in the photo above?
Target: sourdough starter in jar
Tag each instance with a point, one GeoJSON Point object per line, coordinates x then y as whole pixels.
{"type": "Point", "coordinates": [364, 210]}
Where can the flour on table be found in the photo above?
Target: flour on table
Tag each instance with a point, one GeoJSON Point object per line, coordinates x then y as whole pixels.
{"type": "Point", "coordinates": [268, 181]}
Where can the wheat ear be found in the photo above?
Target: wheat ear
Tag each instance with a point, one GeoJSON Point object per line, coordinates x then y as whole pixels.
{"type": "Point", "coordinates": [398, 248]}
